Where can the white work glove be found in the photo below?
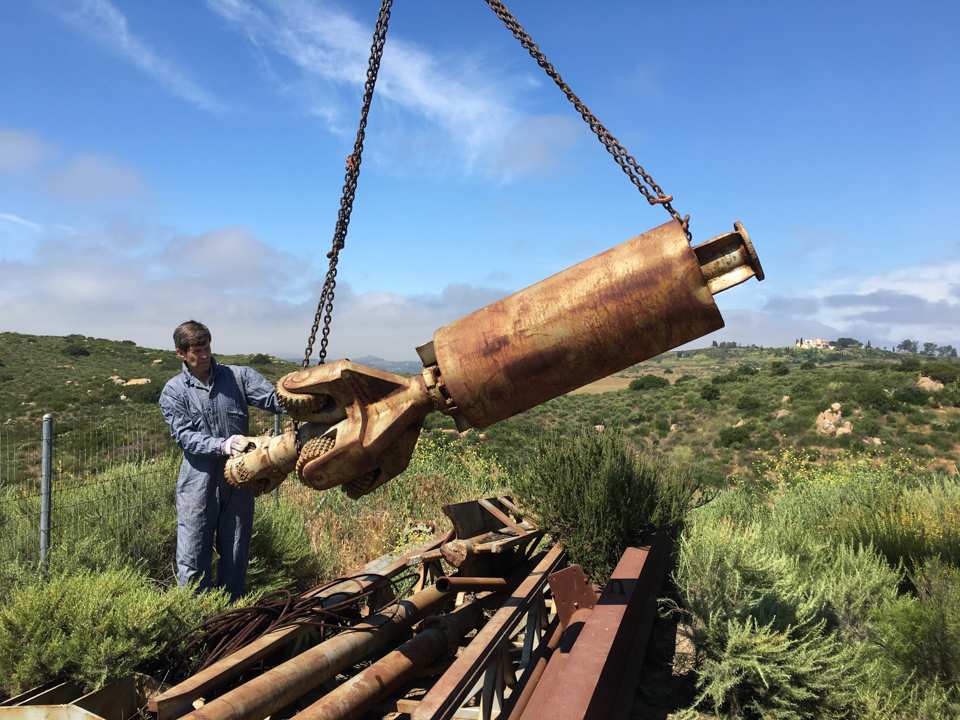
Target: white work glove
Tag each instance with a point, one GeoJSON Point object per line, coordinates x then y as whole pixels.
{"type": "Point", "coordinates": [233, 445]}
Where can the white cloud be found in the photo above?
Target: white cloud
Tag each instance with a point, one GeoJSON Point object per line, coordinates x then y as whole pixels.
{"type": "Point", "coordinates": [328, 50]}
{"type": "Point", "coordinates": [103, 22]}
{"type": "Point", "coordinates": [93, 179]}
{"type": "Point", "coordinates": [20, 222]}
{"type": "Point", "coordinates": [920, 302]}
{"type": "Point", "coordinates": [254, 297]}
{"type": "Point", "coordinates": [21, 151]}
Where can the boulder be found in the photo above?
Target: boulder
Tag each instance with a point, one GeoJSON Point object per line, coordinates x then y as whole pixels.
{"type": "Point", "coordinates": [831, 423]}
{"type": "Point", "coordinates": [928, 384]}
{"type": "Point", "coordinates": [781, 413]}
{"type": "Point", "coordinates": [785, 399]}
{"type": "Point", "coordinates": [599, 428]}
{"type": "Point", "coordinates": [157, 361]}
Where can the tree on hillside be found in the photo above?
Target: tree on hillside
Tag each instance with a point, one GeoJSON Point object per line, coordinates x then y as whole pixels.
{"type": "Point", "coordinates": [908, 345]}
{"type": "Point", "coordinates": [846, 342]}
{"type": "Point", "coordinates": [946, 351]}
{"type": "Point", "coordinates": [929, 348]}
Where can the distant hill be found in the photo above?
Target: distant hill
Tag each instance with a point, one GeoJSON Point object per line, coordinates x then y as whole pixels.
{"type": "Point", "coordinates": [76, 374]}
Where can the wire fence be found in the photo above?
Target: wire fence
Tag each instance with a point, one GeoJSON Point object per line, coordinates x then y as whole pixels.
{"type": "Point", "coordinates": [109, 474]}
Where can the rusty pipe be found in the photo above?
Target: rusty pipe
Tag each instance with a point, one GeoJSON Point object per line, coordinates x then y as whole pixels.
{"type": "Point", "coordinates": [630, 303]}
{"type": "Point", "coordinates": [278, 687]}
{"type": "Point", "coordinates": [456, 583]}
{"type": "Point", "coordinates": [437, 636]}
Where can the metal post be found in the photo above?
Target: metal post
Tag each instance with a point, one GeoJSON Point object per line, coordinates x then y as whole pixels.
{"type": "Point", "coordinates": [46, 474]}
{"type": "Point", "coordinates": [276, 432]}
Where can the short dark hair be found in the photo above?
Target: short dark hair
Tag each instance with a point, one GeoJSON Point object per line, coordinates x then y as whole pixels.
{"type": "Point", "coordinates": [190, 333]}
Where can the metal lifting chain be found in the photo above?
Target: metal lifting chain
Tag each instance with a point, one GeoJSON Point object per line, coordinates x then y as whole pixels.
{"type": "Point", "coordinates": [325, 305]}
{"type": "Point", "coordinates": [638, 176]}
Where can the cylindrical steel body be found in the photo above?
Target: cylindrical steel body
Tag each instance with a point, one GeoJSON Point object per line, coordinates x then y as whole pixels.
{"type": "Point", "coordinates": [278, 687]}
{"type": "Point", "coordinates": [620, 307]}
{"type": "Point", "coordinates": [355, 696]}
{"type": "Point", "coordinates": [46, 485]}
{"type": "Point", "coordinates": [456, 583]}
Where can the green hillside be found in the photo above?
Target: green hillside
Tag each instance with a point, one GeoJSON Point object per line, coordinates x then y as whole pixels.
{"type": "Point", "coordinates": [73, 375]}
{"type": "Point", "coordinates": [728, 409]}
{"type": "Point", "coordinates": [731, 408]}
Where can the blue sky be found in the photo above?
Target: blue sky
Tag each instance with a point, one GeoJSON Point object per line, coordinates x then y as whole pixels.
{"type": "Point", "coordinates": [160, 161]}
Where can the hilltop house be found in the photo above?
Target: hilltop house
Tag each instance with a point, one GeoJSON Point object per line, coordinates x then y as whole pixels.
{"type": "Point", "coordinates": [813, 344]}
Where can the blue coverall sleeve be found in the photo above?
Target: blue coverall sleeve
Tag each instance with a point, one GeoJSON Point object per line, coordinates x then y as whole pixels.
{"type": "Point", "coordinates": [260, 392]}
{"type": "Point", "coordinates": [192, 441]}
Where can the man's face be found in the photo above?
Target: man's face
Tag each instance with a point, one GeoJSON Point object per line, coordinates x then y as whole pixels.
{"type": "Point", "coordinates": [197, 358]}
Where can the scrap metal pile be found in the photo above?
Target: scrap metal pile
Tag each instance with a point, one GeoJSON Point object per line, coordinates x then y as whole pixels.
{"type": "Point", "coordinates": [510, 631]}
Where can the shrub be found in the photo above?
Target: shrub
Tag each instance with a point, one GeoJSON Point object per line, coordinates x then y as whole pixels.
{"type": "Point", "coordinates": [808, 365]}
{"type": "Point", "coordinates": [710, 392]}
{"type": "Point", "coordinates": [909, 364]}
{"type": "Point", "coordinates": [873, 395]}
{"type": "Point", "coordinates": [260, 359]}
{"type": "Point", "coordinates": [920, 635]}
{"type": "Point", "coordinates": [684, 378]}
{"type": "Point", "coordinates": [779, 368]}
{"type": "Point", "coordinates": [745, 370]}
{"type": "Point", "coordinates": [649, 382]}
{"type": "Point", "coordinates": [945, 372]}
{"type": "Point", "coordinates": [733, 436]}
{"type": "Point", "coordinates": [910, 395]}
{"type": "Point", "coordinates": [91, 627]}
{"type": "Point", "coordinates": [750, 403]}
{"type": "Point", "coordinates": [597, 497]}
{"type": "Point", "coordinates": [73, 350]}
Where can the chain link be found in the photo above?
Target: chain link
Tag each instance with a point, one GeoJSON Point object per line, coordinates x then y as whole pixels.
{"type": "Point", "coordinates": [324, 312]}
{"type": "Point", "coordinates": [634, 170]}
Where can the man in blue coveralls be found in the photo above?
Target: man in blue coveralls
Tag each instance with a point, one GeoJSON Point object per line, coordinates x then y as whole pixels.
{"type": "Point", "coordinates": [206, 409]}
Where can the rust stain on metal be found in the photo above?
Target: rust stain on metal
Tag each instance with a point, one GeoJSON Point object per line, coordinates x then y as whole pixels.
{"type": "Point", "coordinates": [622, 306]}
{"type": "Point", "coordinates": [278, 687]}
{"type": "Point", "coordinates": [587, 677]}
{"type": "Point", "coordinates": [449, 691]}
{"type": "Point", "coordinates": [571, 592]}
{"type": "Point", "coordinates": [454, 583]}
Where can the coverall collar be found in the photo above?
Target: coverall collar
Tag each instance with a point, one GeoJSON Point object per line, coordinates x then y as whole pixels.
{"type": "Point", "coordinates": [190, 380]}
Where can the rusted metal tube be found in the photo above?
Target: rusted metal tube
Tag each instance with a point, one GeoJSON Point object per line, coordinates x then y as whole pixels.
{"type": "Point", "coordinates": [280, 686]}
{"type": "Point", "coordinates": [470, 584]}
{"type": "Point", "coordinates": [620, 307]}
{"type": "Point", "coordinates": [352, 698]}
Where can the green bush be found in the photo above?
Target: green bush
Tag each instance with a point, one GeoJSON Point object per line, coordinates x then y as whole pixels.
{"type": "Point", "coordinates": [260, 359]}
{"type": "Point", "coordinates": [779, 368]}
{"type": "Point", "coordinates": [945, 372]}
{"type": "Point", "coordinates": [751, 403]}
{"type": "Point", "coordinates": [920, 635]}
{"type": "Point", "coordinates": [73, 350]}
{"type": "Point", "coordinates": [649, 382]}
{"type": "Point", "coordinates": [684, 378]}
{"type": "Point", "coordinates": [92, 627]}
{"type": "Point", "coordinates": [910, 395]}
{"type": "Point", "coordinates": [808, 365]}
{"type": "Point", "coordinates": [597, 497]}
{"type": "Point", "coordinates": [799, 578]}
{"type": "Point", "coordinates": [909, 364]}
{"type": "Point", "coordinates": [710, 392]}
{"type": "Point", "coordinates": [733, 436]}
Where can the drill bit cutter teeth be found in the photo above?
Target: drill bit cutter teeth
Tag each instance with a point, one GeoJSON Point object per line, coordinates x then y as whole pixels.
{"type": "Point", "coordinates": [311, 450]}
